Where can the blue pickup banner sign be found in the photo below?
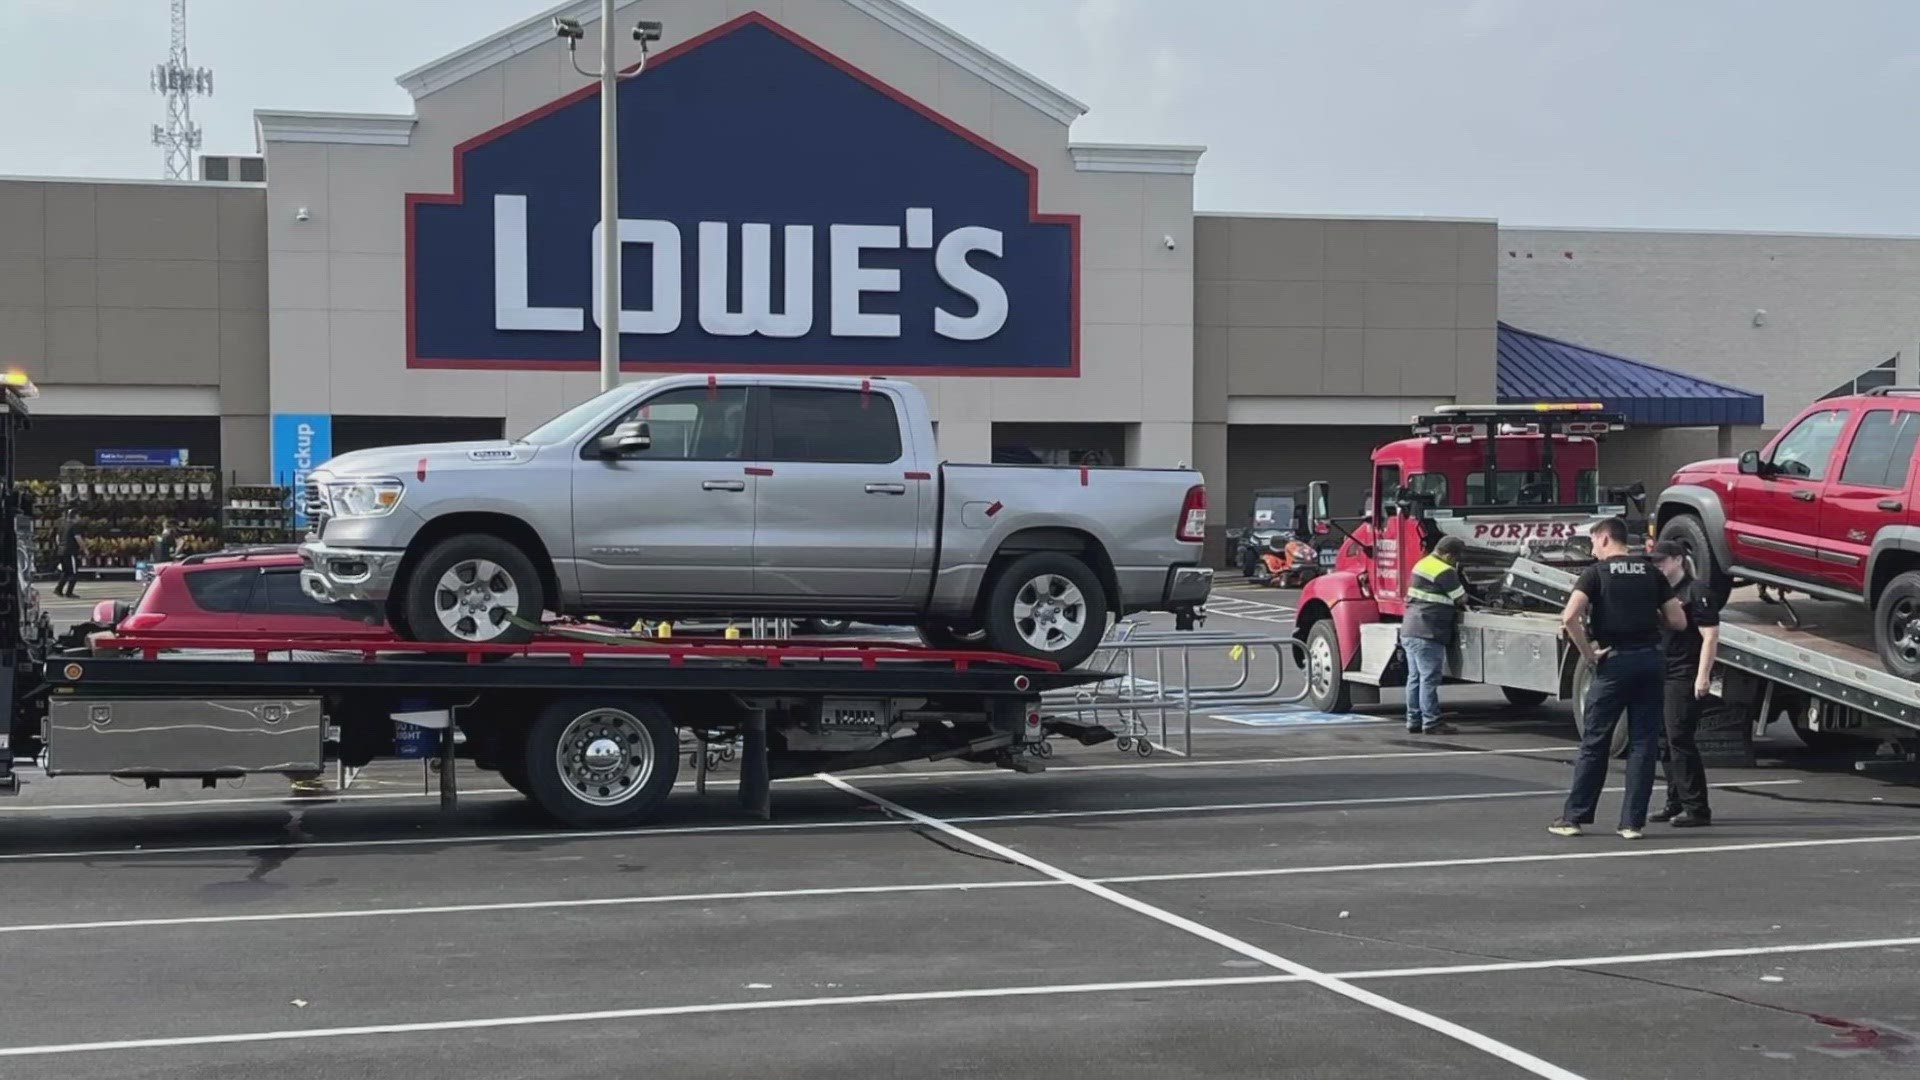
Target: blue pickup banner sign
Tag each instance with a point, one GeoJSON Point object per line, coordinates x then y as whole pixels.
{"type": "Point", "coordinates": [780, 210]}
{"type": "Point", "coordinates": [144, 458]}
{"type": "Point", "coordinates": [301, 442]}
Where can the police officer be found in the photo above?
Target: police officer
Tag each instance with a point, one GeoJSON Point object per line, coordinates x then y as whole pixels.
{"type": "Point", "coordinates": [1614, 618]}
{"type": "Point", "coordinates": [1434, 598]}
{"type": "Point", "coordinates": [1690, 657]}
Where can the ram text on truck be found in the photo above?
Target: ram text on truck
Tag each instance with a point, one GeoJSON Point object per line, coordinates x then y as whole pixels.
{"type": "Point", "coordinates": [789, 496]}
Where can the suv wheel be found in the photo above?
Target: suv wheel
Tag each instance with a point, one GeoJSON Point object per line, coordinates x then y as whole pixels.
{"type": "Point", "coordinates": [1896, 625]}
{"type": "Point", "coordinates": [1047, 606]}
{"type": "Point", "coordinates": [1687, 531]}
{"type": "Point", "coordinates": [469, 589]}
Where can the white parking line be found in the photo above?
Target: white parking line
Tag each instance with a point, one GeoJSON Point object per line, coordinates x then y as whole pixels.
{"type": "Point", "coordinates": [985, 993]}
{"type": "Point", "coordinates": [1331, 983]}
{"type": "Point", "coordinates": [614, 834]}
{"type": "Point", "coordinates": [951, 886]}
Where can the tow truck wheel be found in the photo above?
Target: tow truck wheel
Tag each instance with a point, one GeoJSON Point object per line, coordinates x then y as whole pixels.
{"type": "Point", "coordinates": [469, 589]}
{"type": "Point", "coordinates": [1896, 625]}
{"type": "Point", "coordinates": [1327, 686]}
{"type": "Point", "coordinates": [602, 760]}
{"type": "Point", "coordinates": [1048, 606]}
{"type": "Point", "coordinates": [515, 774]}
{"type": "Point", "coordinates": [1582, 684]}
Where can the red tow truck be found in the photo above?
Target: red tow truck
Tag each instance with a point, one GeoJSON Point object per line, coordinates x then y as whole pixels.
{"type": "Point", "coordinates": [1510, 480]}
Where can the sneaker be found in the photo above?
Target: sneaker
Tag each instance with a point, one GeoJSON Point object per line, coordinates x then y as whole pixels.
{"type": "Point", "coordinates": [1563, 827]}
{"type": "Point", "coordinates": [1684, 820]}
{"type": "Point", "coordinates": [1413, 729]}
{"type": "Point", "coordinates": [1439, 727]}
{"type": "Point", "coordinates": [1632, 834]}
{"type": "Point", "coordinates": [1665, 813]}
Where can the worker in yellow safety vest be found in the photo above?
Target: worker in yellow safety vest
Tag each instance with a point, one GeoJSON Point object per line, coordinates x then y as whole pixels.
{"type": "Point", "coordinates": [1434, 599]}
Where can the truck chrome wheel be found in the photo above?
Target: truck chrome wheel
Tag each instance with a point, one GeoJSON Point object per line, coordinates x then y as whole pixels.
{"type": "Point", "coordinates": [1320, 671]}
{"type": "Point", "coordinates": [1050, 613]}
{"type": "Point", "coordinates": [605, 757]}
{"type": "Point", "coordinates": [474, 600]}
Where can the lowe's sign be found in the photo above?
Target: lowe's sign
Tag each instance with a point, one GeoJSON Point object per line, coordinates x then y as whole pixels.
{"type": "Point", "coordinates": [780, 211]}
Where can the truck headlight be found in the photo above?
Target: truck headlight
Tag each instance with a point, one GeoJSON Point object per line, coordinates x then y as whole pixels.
{"type": "Point", "coordinates": [364, 498]}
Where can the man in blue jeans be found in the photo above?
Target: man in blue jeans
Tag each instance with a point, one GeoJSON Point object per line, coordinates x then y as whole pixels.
{"type": "Point", "coordinates": [1614, 618]}
{"type": "Point", "coordinates": [1434, 598]}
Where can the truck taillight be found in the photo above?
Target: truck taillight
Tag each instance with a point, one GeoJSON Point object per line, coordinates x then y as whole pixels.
{"type": "Point", "coordinates": [1193, 516]}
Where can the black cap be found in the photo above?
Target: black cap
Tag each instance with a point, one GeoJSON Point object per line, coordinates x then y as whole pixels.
{"type": "Point", "coordinates": [1669, 549]}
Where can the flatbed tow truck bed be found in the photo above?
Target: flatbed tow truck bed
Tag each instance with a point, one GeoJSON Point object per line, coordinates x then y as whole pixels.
{"type": "Point", "coordinates": [1819, 670]}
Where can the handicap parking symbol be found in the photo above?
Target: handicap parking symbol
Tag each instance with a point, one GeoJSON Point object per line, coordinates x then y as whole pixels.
{"type": "Point", "coordinates": [1293, 717]}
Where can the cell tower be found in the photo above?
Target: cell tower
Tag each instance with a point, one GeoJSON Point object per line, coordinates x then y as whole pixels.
{"type": "Point", "coordinates": [179, 81]}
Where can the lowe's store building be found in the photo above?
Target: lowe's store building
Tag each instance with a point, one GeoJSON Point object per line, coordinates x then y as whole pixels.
{"type": "Point", "coordinates": [846, 186]}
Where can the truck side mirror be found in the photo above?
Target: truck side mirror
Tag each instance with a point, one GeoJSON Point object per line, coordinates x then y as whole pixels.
{"type": "Point", "coordinates": [1317, 503]}
{"type": "Point", "coordinates": [628, 439]}
{"type": "Point", "coordinates": [1750, 463]}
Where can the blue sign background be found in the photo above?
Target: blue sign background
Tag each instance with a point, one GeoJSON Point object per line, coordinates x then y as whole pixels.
{"type": "Point", "coordinates": [301, 443]}
{"type": "Point", "coordinates": [750, 123]}
{"type": "Point", "coordinates": [133, 459]}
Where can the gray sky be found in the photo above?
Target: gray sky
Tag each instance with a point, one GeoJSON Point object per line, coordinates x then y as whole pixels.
{"type": "Point", "coordinates": [1746, 114]}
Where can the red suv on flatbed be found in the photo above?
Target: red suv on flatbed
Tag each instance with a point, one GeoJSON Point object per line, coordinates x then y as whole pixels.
{"type": "Point", "coordinates": [1830, 508]}
{"type": "Point", "coordinates": [256, 593]}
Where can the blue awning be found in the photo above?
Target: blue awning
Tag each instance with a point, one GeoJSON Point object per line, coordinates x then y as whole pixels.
{"type": "Point", "coordinates": [1534, 367]}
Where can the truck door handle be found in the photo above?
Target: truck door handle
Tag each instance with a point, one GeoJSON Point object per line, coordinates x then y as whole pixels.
{"type": "Point", "coordinates": [1803, 495]}
{"type": "Point", "coordinates": [723, 485]}
{"type": "Point", "coordinates": [886, 489]}
{"type": "Point", "coordinates": [1891, 504]}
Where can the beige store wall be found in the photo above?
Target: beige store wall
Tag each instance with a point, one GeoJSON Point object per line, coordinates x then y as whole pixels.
{"type": "Point", "coordinates": [1834, 305]}
{"type": "Point", "coordinates": [110, 287]}
{"type": "Point", "coordinates": [1304, 325]}
{"type": "Point", "coordinates": [337, 300]}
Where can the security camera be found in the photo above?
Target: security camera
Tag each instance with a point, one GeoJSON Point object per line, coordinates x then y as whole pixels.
{"type": "Point", "coordinates": [301, 214]}
{"type": "Point", "coordinates": [568, 28]}
{"type": "Point", "coordinates": [647, 30]}
{"type": "Point", "coordinates": [1171, 244]}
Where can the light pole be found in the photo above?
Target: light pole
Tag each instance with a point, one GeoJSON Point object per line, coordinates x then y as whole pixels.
{"type": "Point", "coordinates": [644, 32]}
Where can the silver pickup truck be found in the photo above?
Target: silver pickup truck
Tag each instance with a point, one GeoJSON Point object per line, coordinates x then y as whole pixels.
{"type": "Point", "coordinates": [753, 495]}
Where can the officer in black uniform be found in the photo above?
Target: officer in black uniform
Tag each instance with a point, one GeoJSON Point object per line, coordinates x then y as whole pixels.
{"type": "Point", "coordinates": [1690, 658]}
{"type": "Point", "coordinates": [1615, 617]}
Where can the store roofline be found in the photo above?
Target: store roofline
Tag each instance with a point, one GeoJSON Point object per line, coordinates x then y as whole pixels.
{"type": "Point", "coordinates": [1785, 234]}
{"type": "Point", "coordinates": [531, 33]}
{"type": "Point", "coordinates": [131, 180]}
{"type": "Point", "coordinates": [1136, 158]}
{"type": "Point", "coordinates": [364, 129]}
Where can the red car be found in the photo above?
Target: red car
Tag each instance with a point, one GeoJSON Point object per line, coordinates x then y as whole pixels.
{"type": "Point", "coordinates": [238, 592]}
{"type": "Point", "coordinates": [1830, 508]}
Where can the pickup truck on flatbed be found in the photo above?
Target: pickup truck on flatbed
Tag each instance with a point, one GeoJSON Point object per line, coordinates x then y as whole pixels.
{"type": "Point", "coordinates": [753, 495]}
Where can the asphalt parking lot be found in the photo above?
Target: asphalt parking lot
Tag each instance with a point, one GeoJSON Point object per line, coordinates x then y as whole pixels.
{"type": "Point", "coordinates": [1328, 899]}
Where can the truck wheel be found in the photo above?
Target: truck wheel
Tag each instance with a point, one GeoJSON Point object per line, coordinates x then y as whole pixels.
{"type": "Point", "coordinates": [823, 626]}
{"type": "Point", "coordinates": [515, 774]}
{"type": "Point", "coordinates": [1896, 625]}
{"type": "Point", "coordinates": [947, 636]}
{"type": "Point", "coordinates": [601, 761]}
{"type": "Point", "coordinates": [1687, 531]}
{"type": "Point", "coordinates": [1525, 699]}
{"type": "Point", "coordinates": [1582, 682]}
{"type": "Point", "coordinates": [1327, 686]}
{"type": "Point", "coordinates": [1047, 606]}
{"type": "Point", "coordinates": [465, 589]}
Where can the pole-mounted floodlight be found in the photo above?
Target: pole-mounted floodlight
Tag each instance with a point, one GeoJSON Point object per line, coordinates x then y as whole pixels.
{"type": "Point", "coordinates": [645, 32]}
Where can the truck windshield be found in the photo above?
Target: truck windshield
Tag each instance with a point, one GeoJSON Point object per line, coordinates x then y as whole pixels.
{"type": "Point", "coordinates": [577, 419]}
{"type": "Point", "coordinates": [1272, 511]}
{"type": "Point", "coordinates": [1530, 487]}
